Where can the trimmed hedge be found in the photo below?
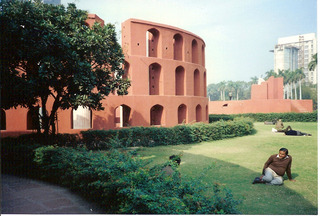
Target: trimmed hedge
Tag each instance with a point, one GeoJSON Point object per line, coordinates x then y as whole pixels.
{"type": "Point", "coordinates": [157, 136]}
{"type": "Point", "coordinates": [17, 152]}
{"type": "Point", "coordinates": [122, 183]}
{"type": "Point", "coordinates": [262, 117]}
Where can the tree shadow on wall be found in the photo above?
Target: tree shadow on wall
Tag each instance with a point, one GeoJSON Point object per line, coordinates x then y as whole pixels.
{"type": "Point", "coordinates": [138, 120]}
{"type": "Point", "coordinates": [99, 123]}
{"type": "Point", "coordinates": [105, 123]}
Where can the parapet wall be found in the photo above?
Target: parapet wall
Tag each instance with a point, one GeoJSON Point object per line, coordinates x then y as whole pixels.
{"type": "Point", "coordinates": [265, 98]}
{"type": "Point", "coordinates": [259, 106]}
{"type": "Point", "coordinates": [270, 89]}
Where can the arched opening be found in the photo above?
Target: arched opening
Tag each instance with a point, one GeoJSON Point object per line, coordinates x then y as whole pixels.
{"type": "Point", "coordinates": [177, 47]}
{"type": "Point", "coordinates": [152, 37]}
{"type": "Point", "coordinates": [203, 56]}
{"type": "Point", "coordinates": [195, 51]}
{"type": "Point", "coordinates": [207, 113]}
{"type": "Point", "coordinates": [126, 70]}
{"type": "Point", "coordinates": [198, 113]}
{"type": "Point", "coordinates": [205, 84]}
{"type": "Point", "coordinates": [196, 82]}
{"type": "Point", "coordinates": [122, 116]}
{"type": "Point", "coordinates": [33, 118]}
{"type": "Point", "coordinates": [180, 80]}
{"type": "Point", "coordinates": [156, 115]}
{"type": "Point", "coordinates": [3, 120]}
{"type": "Point", "coordinates": [155, 79]}
{"type": "Point", "coordinates": [81, 118]}
{"type": "Point", "coordinates": [182, 114]}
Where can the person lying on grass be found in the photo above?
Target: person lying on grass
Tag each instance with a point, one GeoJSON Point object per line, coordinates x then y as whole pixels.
{"type": "Point", "coordinates": [275, 168]}
{"type": "Point", "coordinates": [290, 132]}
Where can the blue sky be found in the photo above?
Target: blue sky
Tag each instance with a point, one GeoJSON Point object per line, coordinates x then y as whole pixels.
{"type": "Point", "coordinates": [238, 33]}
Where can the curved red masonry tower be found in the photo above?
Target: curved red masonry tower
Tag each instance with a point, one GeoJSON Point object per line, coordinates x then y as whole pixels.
{"type": "Point", "coordinates": [166, 66]}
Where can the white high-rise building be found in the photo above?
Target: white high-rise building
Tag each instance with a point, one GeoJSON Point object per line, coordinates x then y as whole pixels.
{"type": "Point", "coordinates": [296, 52]}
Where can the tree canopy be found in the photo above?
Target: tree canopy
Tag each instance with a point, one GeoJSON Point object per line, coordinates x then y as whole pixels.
{"type": "Point", "coordinates": [313, 63]}
{"type": "Point", "coordinates": [50, 51]}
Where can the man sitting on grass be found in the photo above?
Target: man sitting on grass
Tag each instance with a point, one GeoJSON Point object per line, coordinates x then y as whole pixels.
{"type": "Point", "coordinates": [167, 169]}
{"type": "Point", "coordinates": [275, 168]}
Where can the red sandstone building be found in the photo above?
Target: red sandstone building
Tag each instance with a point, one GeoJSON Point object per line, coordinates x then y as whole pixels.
{"type": "Point", "coordinates": [265, 98]}
{"type": "Point", "coordinates": [166, 66]}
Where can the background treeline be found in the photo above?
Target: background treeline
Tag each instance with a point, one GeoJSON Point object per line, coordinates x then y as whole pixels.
{"type": "Point", "coordinates": [295, 87]}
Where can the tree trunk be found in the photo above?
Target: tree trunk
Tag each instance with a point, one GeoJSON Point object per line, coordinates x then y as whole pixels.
{"type": "Point", "coordinates": [300, 90]}
{"type": "Point", "coordinates": [53, 114]}
{"type": "Point", "coordinates": [35, 117]}
{"type": "Point", "coordinates": [53, 126]}
{"type": "Point", "coordinates": [286, 92]}
{"type": "Point", "coordinates": [295, 91]}
{"type": "Point", "coordinates": [45, 117]}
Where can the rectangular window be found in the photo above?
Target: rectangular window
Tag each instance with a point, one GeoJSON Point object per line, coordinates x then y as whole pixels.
{"type": "Point", "coordinates": [81, 118]}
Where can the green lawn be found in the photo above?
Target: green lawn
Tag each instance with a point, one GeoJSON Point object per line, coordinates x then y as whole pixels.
{"type": "Point", "coordinates": [238, 161]}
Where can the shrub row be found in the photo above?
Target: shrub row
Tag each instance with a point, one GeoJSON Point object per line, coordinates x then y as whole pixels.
{"type": "Point", "coordinates": [157, 136]}
{"type": "Point", "coordinates": [122, 183]}
{"type": "Point", "coordinates": [17, 152]}
{"type": "Point", "coordinates": [262, 117]}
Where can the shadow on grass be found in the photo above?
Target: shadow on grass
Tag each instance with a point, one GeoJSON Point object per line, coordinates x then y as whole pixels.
{"type": "Point", "coordinates": [253, 132]}
{"type": "Point", "coordinates": [257, 198]}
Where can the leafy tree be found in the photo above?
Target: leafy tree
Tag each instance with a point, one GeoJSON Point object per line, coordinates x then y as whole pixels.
{"type": "Point", "coordinates": [313, 63]}
{"type": "Point", "coordinates": [309, 91]}
{"type": "Point", "coordinates": [254, 80]}
{"type": "Point", "coordinates": [269, 74]}
{"type": "Point", "coordinates": [213, 92]}
{"type": "Point", "coordinates": [291, 79]}
{"type": "Point", "coordinates": [49, 51]}
{"type": "Point", "coordinates": [230, 88]}
{"type": "Point", "coordinates": [238, 86]}
{"type": "Point", "coordinates": [222, 87]}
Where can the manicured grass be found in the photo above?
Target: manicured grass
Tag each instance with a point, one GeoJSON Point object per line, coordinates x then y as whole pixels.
{"type": "Point", "coordinates": [238, 161]}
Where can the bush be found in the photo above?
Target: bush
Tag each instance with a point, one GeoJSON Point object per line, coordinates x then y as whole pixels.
{"type": "Point", "coordinates": [17, 153]}
{"type": "Point", "coordinates": [17, 156]}
{"type": "Point", "coordinates": [157, 136]}
{"type": "Point", "coordinates": [262, 117]}
{"type": "Point", "coordinates": [122, 183]}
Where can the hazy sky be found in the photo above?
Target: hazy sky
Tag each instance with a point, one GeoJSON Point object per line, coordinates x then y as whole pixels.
{"type": "Point", "coordinates": [238, 33]}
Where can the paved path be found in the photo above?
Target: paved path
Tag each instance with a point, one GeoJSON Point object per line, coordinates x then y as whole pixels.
{"type": "Point", "coordinates": [20, 195]}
